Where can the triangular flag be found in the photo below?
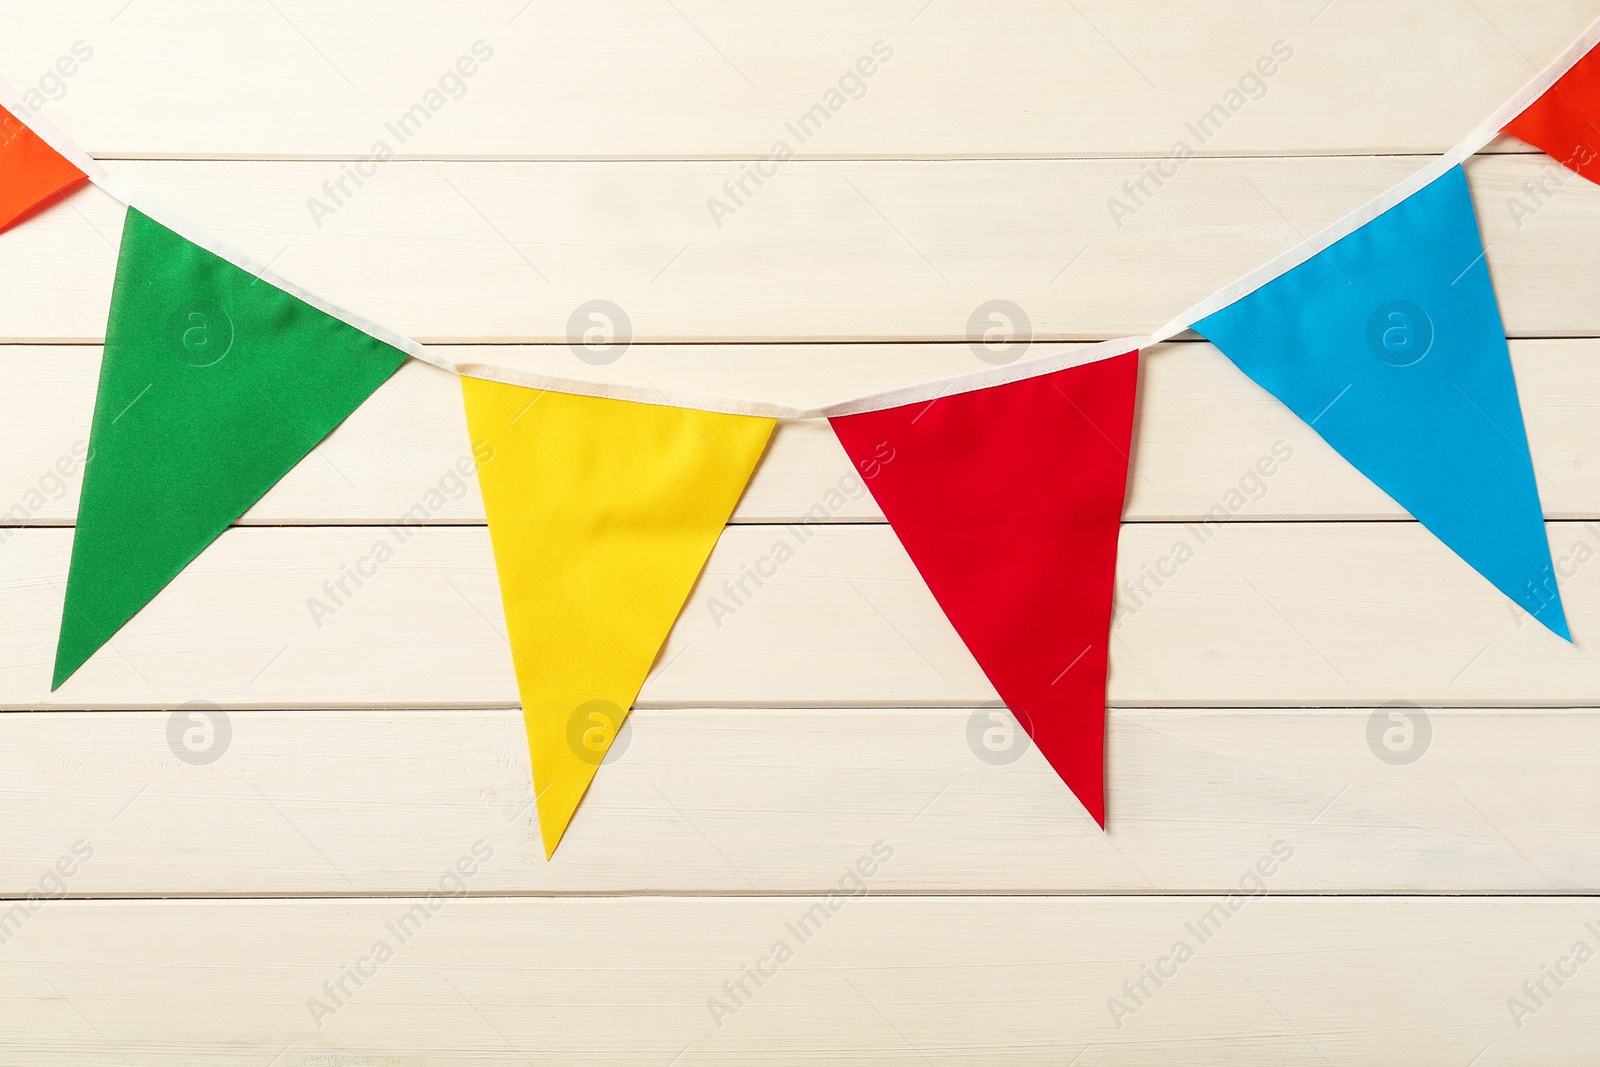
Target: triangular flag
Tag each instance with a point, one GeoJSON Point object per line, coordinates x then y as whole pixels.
{"type": "Point", "coordinates": [1565, 121]}
{"type": "Point", "coordinates": [1009, 500]}
{"type": "Point", "coordinates": [31, 172]}
{"type": "Point", "coordinates": [1389, 344]}
{"type": "Point", "coordinates": [601, 514]}
{"type": "Point", "coordinates": [214, 384]}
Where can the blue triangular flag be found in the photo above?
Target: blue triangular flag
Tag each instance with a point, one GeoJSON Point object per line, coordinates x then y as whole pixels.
{"type": "Point", "coordinates": [1389, 344]}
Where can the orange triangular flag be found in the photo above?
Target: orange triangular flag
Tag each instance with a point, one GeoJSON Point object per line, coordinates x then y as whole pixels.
{"type": "Point", "coordinates": [31, 172]}
{"type": "Point", "coordinates": [1565, 121]}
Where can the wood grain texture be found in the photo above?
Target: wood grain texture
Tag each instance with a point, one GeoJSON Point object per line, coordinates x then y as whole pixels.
{"type": "Point", "coordinates": [826, 251]}
{"type": "Point", "coordinates": [1262, 614]}
{"type": "Point", "coordinates": [952, 980]}
{"type": "Point", "coordinates": [692, 80]}
{"type": "Point", "coordinates": [1204, 431]}
{"type": "Point", "coordinates": [371, 746]}
{"type": "Point", "coordinates": [737, 801]}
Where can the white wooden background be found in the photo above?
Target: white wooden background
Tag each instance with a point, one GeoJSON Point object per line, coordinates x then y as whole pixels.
{"type": "Point", "coordinates": [369, 755]}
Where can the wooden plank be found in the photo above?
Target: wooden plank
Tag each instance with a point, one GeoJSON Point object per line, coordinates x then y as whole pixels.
{"type": "Point", "coordinates": [1204, 431]}
{"type": "Point", "coordinates": [731, 810]}
{"type": "Point", "coordinates": [875, 251]}
{"type": "Point", "coordinates": [950, 980]}
{"type": "Point", "coordinates": [1274, 615]}
{"type": "Point", "coordinates": [714, 801]}
{"type": "Point", "coordinates": [697, 80]}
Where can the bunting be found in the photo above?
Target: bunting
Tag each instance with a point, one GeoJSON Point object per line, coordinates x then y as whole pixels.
{"type": "Point", "coordinates": [1389, 344]}
{"type": "Point", "coordinates": [213, 386]}
{"type": "Point", "coordinates": [32, 174]}
{"type": "Point", "coordinates": [602, 514]}
{"type": "Point", "coordinates": [1005, 485]}
{"type": "Point", "coordinates": [1009, 500]}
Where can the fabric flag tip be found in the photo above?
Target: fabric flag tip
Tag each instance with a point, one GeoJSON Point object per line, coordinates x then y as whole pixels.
{"type": "Point", "coordinates": [1095, 804]}
{"type": "Point", "coordinates": [1556, 622]}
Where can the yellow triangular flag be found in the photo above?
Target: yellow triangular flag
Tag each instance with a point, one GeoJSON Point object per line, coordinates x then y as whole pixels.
{"type": "Point", "coordinates": [602, 513]}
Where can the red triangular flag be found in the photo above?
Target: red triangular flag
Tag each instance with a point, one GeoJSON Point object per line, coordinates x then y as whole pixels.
{"type": "Point", "coordinates": [1009, 499]}
{"type": "Point", "coordinates": [1565, 121]}
{"type": "Point", "coordinates": [31, 172]}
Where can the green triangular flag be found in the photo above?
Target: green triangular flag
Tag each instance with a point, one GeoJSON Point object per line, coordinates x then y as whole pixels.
{"type": "Point", "coordinates": [215, 384]}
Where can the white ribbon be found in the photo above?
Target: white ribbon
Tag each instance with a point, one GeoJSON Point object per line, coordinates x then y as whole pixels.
{"type": "Point", "coordinates": [925, 391]}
